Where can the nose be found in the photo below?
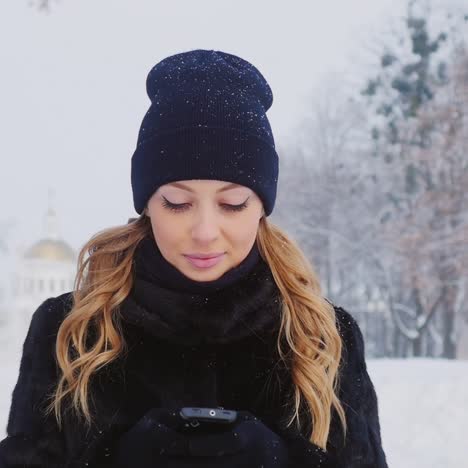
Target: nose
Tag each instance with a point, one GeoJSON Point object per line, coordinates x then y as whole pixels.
{"type": "Point", "coordinates": [206, 226]}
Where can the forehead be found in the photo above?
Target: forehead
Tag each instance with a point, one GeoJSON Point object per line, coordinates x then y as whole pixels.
{"type": "Point", "coordinates": [199, 185]}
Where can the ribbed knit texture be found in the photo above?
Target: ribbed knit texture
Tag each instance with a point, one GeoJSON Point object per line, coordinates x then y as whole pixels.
{"type": "Point", "coordinates": [207, 120]}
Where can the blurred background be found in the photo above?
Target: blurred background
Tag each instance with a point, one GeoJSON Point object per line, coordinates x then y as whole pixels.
{"type": "Point", "coordinates": [370, 117]}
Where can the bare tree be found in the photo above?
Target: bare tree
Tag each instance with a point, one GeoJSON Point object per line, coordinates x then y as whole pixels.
{"type": "Point", "coordinates": [422, 136]}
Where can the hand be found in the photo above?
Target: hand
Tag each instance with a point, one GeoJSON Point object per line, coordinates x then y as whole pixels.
{"type": "Point", "coordinates": [156, 441]}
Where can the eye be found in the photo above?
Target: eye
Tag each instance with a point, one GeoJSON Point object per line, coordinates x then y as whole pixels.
{"type": "Point", "coordinates": [174, 206]}
{"type": "Point", "coordinates": [184, 206]}
{"type": "Point", "coordinates": [235, 207]}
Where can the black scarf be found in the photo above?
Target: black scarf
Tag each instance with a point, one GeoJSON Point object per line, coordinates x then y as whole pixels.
{"type": "Point", "coordinates": [151, 266]}
{"type": "Point", "coordinates": [167, 304]}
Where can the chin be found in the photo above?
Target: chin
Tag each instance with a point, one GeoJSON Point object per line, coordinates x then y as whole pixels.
{"type": "Point", "coordinates": [209, 275]}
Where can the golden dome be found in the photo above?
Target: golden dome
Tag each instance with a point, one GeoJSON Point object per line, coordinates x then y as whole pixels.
{"type": "Point", "coordinates": [50, 249]}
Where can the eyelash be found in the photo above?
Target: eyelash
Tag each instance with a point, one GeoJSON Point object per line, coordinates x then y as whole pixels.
{"type": "Point", "coordinates": [182, 206]}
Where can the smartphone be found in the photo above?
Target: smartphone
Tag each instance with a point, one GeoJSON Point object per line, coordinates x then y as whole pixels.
{"type": "Point", "coordinates": [196, 417]}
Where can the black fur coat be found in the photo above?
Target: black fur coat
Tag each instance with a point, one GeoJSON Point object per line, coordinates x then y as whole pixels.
{"type": "Point", "coordinates": [185, 349]}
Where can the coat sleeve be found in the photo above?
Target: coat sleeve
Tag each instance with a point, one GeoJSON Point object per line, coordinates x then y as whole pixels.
{"type": "Point", "coordinates": [363, 447]}
{"type": "Point", "coordinates": [33, 440]}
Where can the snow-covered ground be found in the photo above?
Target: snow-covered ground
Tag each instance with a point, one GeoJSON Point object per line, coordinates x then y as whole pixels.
{"type": "Point", "coordinates": [423, 405]}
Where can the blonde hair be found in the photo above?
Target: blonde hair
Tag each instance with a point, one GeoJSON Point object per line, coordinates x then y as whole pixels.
{"type": "Point", "coordinates": [90, 336]}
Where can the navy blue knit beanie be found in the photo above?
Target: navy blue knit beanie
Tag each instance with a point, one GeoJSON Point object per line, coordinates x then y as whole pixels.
{"type": "Point", "coordinates": [207, 120]}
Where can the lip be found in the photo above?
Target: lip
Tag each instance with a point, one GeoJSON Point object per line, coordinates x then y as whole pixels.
{"type": "Point", "coordinates": [210, 255]}
{"type": "Point", "coordinates": [207, 262]}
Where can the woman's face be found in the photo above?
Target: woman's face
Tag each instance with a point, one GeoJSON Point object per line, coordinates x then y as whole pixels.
{"type": "Point", "coordinates": [193, 217]}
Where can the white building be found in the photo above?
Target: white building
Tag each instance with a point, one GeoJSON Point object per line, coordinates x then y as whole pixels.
{"type": "Point", "coordinates": [45, 269]}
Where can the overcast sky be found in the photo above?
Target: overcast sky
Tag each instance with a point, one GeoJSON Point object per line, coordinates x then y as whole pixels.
{"type": "Point", "coordinates": [73, 88]}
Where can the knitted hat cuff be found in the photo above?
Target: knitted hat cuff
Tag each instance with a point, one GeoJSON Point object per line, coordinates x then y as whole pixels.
{"type": "Point", "coordinates": [227, 154]}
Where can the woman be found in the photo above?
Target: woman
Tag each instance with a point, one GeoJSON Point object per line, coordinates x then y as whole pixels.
{"type": "Point", "coordinates": [198, 302]}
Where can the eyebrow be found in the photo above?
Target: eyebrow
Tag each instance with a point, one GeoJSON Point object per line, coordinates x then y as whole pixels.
{"type": "Point", "coordinates": [188, 189]}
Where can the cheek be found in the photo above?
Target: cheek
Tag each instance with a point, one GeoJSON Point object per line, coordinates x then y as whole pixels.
{"type": "Point", "coordinates": [243, 229]}
{"type": "Point", "coordinates": [165, 227]}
